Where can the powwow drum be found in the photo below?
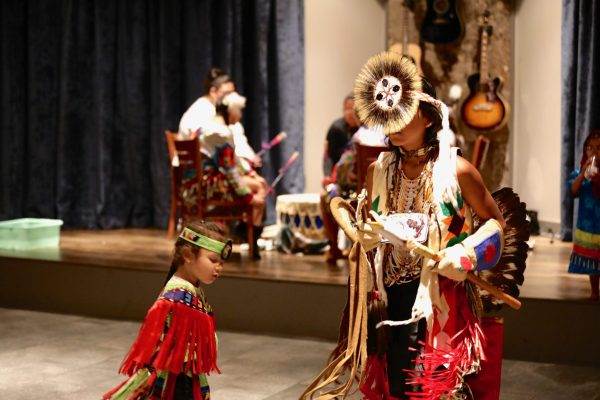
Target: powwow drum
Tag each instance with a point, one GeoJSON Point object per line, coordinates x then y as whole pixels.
{"type": "Point", "coordinates": [302, 214]}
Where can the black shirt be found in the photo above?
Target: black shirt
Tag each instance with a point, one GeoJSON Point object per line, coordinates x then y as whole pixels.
{"type": "Point", "coordinates": [338, 140]}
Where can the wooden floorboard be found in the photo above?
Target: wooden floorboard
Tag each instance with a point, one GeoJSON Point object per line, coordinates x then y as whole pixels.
{"type": "Point", "coordinates": [150, 249]}
{"type": "Point", "coordinates": [546, 276]}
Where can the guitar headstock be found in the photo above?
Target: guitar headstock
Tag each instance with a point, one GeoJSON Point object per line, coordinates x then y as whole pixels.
{"type": "Point", "coordinates": [485, 22]}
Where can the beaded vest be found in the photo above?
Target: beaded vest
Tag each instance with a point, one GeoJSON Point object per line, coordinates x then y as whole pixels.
{"type": "Point", "coordinates": [393, 192]}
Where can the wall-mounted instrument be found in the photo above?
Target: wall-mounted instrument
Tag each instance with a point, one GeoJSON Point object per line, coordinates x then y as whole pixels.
{"type": "Point", "coordinates": [484, 109]}
{"type": "Point", "coordinates": [408, 48]}
{"type": "Point", "coordinates": [441, 23]}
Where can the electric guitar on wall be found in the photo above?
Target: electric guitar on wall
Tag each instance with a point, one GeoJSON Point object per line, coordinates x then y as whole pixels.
{"type": "Point", "coordinates": [406, 48]}
{"type": "Point", "coordinates": [441, 23]}
{"type": "Point", "coordinates": [484, 109]}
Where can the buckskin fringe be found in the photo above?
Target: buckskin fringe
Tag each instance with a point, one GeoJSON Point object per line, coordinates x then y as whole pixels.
{"type": "Point", "coordinates": [353, 358]}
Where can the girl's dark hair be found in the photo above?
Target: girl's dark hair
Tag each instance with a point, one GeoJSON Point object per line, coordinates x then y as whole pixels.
{"type": "Point", "coordinates": [595, 134]}
{"type": "Point", "coordinates": [209, 229]}
{"type": "Point", "coordinates": [215, 78]}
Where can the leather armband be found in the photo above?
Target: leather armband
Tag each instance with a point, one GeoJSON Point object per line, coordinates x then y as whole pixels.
{"type": "Point", "coordinates": [484, 247]}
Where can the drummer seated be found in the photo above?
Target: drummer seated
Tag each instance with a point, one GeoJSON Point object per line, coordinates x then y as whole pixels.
{"type": "Point", "coordinates": [228, 114]}
{"type": "Point", "coordinates": [224, 169]}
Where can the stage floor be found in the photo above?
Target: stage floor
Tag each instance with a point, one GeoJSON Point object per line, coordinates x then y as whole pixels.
{"type": "Point", "coordinates": [546, 275]}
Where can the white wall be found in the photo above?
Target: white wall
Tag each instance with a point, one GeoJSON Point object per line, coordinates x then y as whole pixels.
{"type": "Point", "coordinates": [340, 35]}
{"type": "Point", "coordinates": [536, 107]}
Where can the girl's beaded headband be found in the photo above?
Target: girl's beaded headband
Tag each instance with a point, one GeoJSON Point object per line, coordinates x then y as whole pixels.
{"type": "Point", "coordinates": [224, 249]}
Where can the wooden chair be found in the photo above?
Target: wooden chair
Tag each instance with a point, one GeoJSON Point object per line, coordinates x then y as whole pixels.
{"type": "Point", "coordinates": [187, 176]}
{"type": "Point", "coordinates": [364, 156]}
{"type": "Point", "coordinates": [176, 202]}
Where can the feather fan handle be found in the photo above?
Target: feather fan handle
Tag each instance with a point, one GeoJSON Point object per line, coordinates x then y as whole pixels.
{"type": "Point", "coordinates": [429, 253]}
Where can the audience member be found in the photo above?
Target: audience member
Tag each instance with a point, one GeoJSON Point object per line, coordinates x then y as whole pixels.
{"type": "Point", "coordinates": [339, 134]}
{"type": "Point", "coordinates": [584, 183]}
{"type": "Point", "coordinates": [218, 144]}
{"type": "Point", "coordinates": [343, 182]}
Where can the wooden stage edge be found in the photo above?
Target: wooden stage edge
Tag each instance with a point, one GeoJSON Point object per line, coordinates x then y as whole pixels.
{"type": "Point", "coordinates": [118, 273]}
{"type": "Point", "coordinates": [150, 250]}
{"type": "Point", "coordinates": [546, 275]}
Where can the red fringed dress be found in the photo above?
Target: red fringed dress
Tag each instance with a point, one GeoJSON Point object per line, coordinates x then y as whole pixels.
{"type": "Point", "coordinates": [177, 340]}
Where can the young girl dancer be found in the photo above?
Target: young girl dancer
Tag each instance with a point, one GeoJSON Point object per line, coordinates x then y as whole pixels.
{"type": "Point", "coordinates": [584, 183]}
{"type": "Point", "coordinates": [176, 346]}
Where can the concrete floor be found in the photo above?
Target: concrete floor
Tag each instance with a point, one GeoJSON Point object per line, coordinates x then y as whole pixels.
{"type": "Point", "coordinates": [65, 357]}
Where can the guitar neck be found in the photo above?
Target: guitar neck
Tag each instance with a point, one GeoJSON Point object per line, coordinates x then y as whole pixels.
{"type": "Point", "coordinates": [404, 30]}
{"type": "Point", "coordinates": [483, 62]}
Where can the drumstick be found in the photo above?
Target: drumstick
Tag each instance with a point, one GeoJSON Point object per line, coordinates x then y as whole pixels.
{"type": "Point", "coordinates": [274, 142]}
{"type": "Point", "coordinates": [282, 171]}
{"type": "Point", "coordinates": [494, 291]}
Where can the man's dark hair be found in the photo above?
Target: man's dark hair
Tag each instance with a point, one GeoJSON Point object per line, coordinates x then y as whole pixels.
{"type": "Point", "coordinates": [215, 78]}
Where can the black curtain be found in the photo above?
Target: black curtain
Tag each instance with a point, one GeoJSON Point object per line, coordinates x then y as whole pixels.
{"type": "Point", "coordinates": [580, 92]}
{"type": "Point", "coordinates": [88, 88]}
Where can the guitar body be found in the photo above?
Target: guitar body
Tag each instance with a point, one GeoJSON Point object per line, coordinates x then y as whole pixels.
{"type": "Point", "coordinates": [413, 51]}
{"type": "Point", "coordinates": [485, 108]}
{"type": "Point", "coordinates": [441, 23]}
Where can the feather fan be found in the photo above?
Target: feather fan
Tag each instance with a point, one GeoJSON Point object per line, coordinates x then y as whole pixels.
{"type": "Point", "coordinates": [508, 274]}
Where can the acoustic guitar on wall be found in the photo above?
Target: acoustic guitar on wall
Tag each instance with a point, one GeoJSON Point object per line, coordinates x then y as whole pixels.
{"type": "Point", "coordinates": [484, 109]}
{"type": "Point", "coordinates": [408, 48]}
{"type": "Point", "coordinates": [441, 23]}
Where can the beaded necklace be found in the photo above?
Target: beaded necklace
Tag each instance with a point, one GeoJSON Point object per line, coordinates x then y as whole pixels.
{"type": "Point", "coordinates": [406, 195]}
{"type": "Point", "coordinates": [420, 152]}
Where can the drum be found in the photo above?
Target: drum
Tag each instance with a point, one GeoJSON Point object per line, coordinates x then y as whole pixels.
{"type": "Point", "coordinates": [302, 214]}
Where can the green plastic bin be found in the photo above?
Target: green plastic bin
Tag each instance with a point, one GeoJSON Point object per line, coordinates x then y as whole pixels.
{"type": "Point", "coordinates": [29, 233]}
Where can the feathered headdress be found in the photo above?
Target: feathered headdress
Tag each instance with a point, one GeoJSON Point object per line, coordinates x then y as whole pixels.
{"type": "Point", "coordinates": [387, 93]}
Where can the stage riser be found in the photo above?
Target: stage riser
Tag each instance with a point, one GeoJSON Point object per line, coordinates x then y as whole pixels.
{"type": "Point", "coordinates": [553, 331]}
{"type": "Point", "coordinates": [78, 289]}
{"type": "Point", "coordinates": [262, 306]}
{"type": "Point", "coordinates": [542, 331]}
